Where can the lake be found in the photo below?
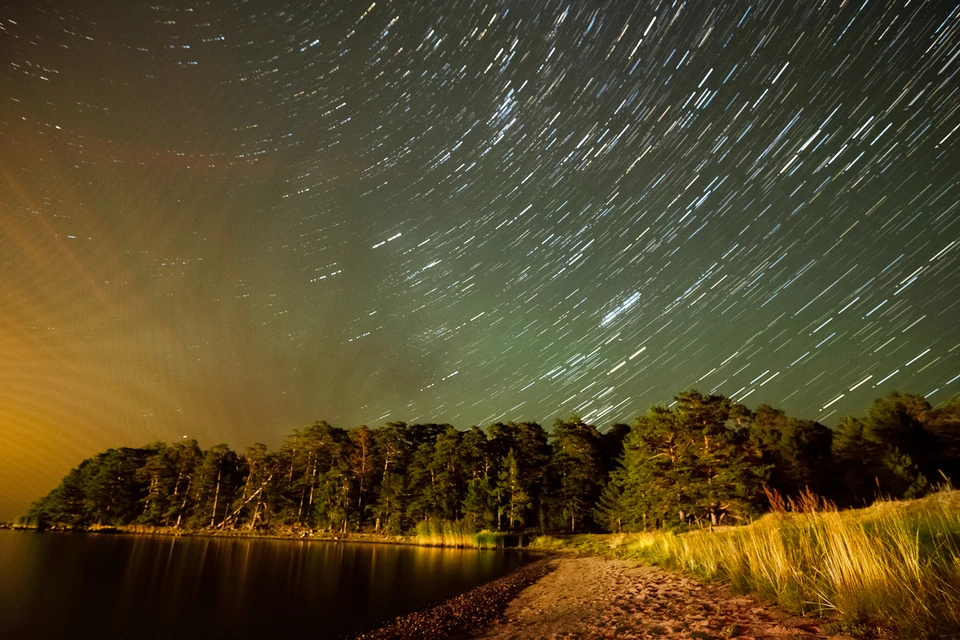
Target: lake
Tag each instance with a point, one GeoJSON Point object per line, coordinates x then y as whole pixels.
{"type": "Point", "coordinates": [89, 585]}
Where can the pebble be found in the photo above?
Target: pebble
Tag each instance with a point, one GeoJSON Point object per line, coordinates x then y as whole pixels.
{"type": "Point", "coordinates": [457, 617]}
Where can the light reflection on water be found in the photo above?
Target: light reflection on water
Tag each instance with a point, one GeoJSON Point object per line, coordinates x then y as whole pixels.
{"type": "Point", "coordinates": [80, 585]}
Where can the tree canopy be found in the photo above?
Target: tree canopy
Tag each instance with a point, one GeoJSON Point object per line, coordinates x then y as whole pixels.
{"type": "Point", "coordinates": [703, 460]}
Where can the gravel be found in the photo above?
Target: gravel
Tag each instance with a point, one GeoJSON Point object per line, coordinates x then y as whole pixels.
{"type": "Point", "coordinates": [460, 616]}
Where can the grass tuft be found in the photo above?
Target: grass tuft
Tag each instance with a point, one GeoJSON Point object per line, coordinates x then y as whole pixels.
{"type": "Point", "coordinates": [459, 534]}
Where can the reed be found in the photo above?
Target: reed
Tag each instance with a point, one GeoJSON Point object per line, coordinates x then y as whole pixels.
{"type": "Point", "coordinates": [460, 534]}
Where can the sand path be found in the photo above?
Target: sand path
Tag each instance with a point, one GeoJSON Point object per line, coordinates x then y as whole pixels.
{"type": "Point", "coordinates": [597, 598]}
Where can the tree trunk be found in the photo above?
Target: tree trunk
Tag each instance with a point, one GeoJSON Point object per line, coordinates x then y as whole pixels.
{"type": "Point", "coordinates": [150, 493]}
{"type": "Point", "coordinates": [313, 483]}
{"type": "Point", "coordinates": [216, 497]}
{"type": "Point", "coordinates": [180, 513]}
{"type": "Point", "coordinates": [176, 487]}
{"type": "Point", "coordinates": [183, 505]}
{"type": "Point", "coordinates": [256, 512]}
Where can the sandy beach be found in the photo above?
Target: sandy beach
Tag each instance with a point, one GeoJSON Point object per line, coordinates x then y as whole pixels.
{"type": "Point", "coordinates": [566, 597]}
{"type": "Point", "coordinates": [597, 598]}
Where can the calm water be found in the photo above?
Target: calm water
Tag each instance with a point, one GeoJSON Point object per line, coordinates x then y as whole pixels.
{"type": "Point", "coordinates": [82, 585]}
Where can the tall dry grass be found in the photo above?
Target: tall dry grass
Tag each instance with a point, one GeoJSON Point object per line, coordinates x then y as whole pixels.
{"type": "Point", "coordinates": [459, 534]}
{"type": "Point", "coordinates": [895, 564]}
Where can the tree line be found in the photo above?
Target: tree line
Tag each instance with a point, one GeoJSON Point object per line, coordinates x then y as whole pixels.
{"type": "Point", "coordinates": [702, 460]}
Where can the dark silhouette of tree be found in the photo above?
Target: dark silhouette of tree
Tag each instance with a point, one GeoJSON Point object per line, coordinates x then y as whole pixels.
{"type": "Point", "coordinates": [943, 426]}
{"type": "Point", "coordinates": [611, 446]}
{"type": "Point", "coordinates": [888, 453]}
{"type": "Point", "coordinates": [895, 430]}
{"type": "Point", "coordinates": [855, 477]}
{"type": "Point", "coordinates": [800, 451]}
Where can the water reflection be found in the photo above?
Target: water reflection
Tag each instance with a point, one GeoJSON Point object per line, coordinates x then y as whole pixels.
{"type": "Point", "coordinates": [59, 585]}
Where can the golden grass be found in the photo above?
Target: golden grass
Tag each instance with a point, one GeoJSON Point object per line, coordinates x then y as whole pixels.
{"type": "Point", "coordinates": [895, 564]}
{"type": "Point", "coordinates": [459, 534]}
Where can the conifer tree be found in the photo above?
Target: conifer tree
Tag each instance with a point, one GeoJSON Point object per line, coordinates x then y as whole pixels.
{"type": "Point", "coordinates": [611, 507]}
{"type": "Point", "coordinates": [363, 466]}
{"type": "Point", "coordinates": [217, 478]}
{"type": "Point", "coordinates": [692, 464]}
{"type": "Point", "coordinates": [798, 450]}
{"type": "Point", "coordinates": [479, 504]}
{"type": "Point", "coordinates": [577, 471]}
{"type": "Point", "coordinates": [394, 448]}
{"type": "Point", "coordinates": [516, 499]}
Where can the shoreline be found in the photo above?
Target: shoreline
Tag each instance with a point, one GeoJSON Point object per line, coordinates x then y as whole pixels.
{"type": "Point", "coordinates": [564, 594]}
{"type": "Point", "coordinates": [592, 597]}
{"type": "Point", "coordinates": [464, 615]}
{"type": "Point", "coordinates": [293, 536]}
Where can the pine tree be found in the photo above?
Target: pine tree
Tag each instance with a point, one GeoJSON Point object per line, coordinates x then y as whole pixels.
{"type": "Point", "coordinates": [799, 450]}
{"type": "Point", "coordinates": [363, 467]}
{"type": "Point", "coordinates": [217, 478]}
{"type": "Point", "coordinates": [692, 464]}
{"type": "Point", "coordinates": [479, 504]}
{"type": "Point", "coordinates": [890, 452]}
{"type": "Point", "coordinates": [448, 484]}
{"type": "Point", "coordinates": [852, 461]}
{"type": "Point", "coordinates": [395, 450]}
{"type": "Point", "coordinates": [515, 499]}
{"type": "Point", "coordinates": [611, 507]}
{"type": "Point", "coordinates": [577, 471]}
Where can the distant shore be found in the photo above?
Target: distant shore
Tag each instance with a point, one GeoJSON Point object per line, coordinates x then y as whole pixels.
{"type": "Point", "coordinates": [506, 541]}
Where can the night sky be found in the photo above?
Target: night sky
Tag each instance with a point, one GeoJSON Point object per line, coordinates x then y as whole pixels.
{"type": "Point", "coordinates": [227, 220]}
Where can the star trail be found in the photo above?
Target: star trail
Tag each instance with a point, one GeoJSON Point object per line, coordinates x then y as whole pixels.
{"type": "Point", "coordinates": [227, 220]}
